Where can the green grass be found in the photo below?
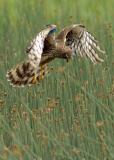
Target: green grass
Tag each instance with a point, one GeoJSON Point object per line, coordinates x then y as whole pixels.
{"type": "Point", "coordinates": [70, 115]}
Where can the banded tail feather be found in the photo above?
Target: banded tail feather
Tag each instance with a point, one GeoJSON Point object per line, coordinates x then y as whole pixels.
{"type": "Point", "coordinates": [26, 74]}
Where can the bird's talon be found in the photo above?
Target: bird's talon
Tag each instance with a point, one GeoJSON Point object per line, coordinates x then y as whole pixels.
{"type": "Point", "coordinates": [41, 77]}
{"type": "Point", "coordinates": [34, 79]}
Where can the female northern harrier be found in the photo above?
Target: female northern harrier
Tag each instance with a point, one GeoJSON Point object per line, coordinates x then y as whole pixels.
{"type": "Point", "coordinates": [72, 40]}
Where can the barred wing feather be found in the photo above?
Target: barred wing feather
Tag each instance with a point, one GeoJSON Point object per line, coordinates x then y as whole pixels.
{"type": "Point", "coordinates": [30, 71]}
{"type": "Point", "coordinates": [83, 43]}
{"type": "Point", "coordinates": [35, 49]}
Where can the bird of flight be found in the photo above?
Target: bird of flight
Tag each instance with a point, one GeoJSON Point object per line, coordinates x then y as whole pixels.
{"type": "Point", "coordinates": [45, 47]}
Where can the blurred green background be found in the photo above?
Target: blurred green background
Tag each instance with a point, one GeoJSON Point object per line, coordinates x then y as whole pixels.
{"type": "Point", "coordinates": [70, 115]}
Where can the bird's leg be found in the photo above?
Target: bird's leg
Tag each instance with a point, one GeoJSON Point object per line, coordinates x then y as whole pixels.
{"type": "Point", "coordinates": [41, 76]}
{"type": "Point", "coordinates": [42, 72]}
{"type": "Point", "coordinates": [38, 76]}
{"type": "Point", "coordinates": [35, 76]}
{"type": "Point", "coordinates": [34, 80]}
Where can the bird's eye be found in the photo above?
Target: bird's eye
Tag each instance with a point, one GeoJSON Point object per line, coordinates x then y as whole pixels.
{"type": "Point", "coordinates": [52, 31]}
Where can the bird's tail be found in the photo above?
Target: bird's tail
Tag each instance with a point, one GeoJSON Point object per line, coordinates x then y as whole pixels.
{"type": "Point", "coordinates": [25, 74]}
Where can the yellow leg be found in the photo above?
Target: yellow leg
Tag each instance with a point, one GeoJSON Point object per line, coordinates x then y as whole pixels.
{"type": "Point", "coordinates": [34, 80]}
{"type": "Point", "coordinates": [41, 75]}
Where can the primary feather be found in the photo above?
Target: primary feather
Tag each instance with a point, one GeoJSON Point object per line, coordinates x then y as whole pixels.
{"type": "Point", "coordinates": [81, 42]}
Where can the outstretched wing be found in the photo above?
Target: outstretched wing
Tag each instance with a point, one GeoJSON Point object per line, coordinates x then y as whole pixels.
{"type": "Point", "coordinates": [31, 71]}
{"type": "Point", "coordinates": [81, 42]}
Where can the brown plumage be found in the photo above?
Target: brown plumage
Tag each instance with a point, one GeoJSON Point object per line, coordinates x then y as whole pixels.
{"type": "Point", "coordinates": [41, 51]}
{"type": "Point", "coordinates": [81, 42]}
{"type": "Point", "coordinates": [72, 40]}
{"type": "Point", "coordinates": [24, 74]}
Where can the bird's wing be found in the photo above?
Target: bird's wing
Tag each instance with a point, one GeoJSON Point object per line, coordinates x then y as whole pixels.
{"type": "Point", "coordinates": [35, 49]}
{"type": "Point", "coordinates": [81, 42]}
{"type": "Point", "coordinates": [30, 71]}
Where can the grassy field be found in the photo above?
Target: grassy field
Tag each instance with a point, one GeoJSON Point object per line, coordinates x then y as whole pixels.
{"type": "Point", "coordinates": [70, 115]}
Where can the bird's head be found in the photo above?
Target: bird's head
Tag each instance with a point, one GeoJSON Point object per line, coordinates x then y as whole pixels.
{"type": "Point", "coordinates": [51, 27]}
